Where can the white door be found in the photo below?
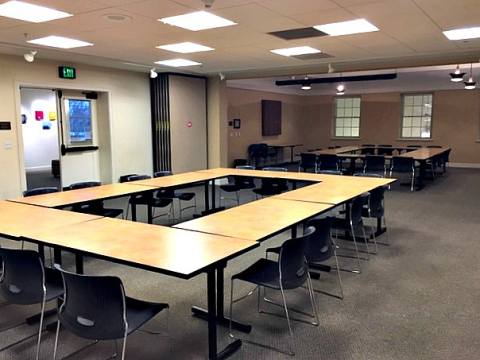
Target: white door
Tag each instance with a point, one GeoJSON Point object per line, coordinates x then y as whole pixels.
{"type": "Point", "coordinates": [79, 159]}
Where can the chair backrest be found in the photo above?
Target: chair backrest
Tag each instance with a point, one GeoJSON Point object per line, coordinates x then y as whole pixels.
{"type": "Point", "coordinates": [356, 206]}
{"type": "Point", "coordinates": [274, 183]}
{"type": "Point", "coordinates": [138, 177]}
{"type": "Point", "coordinates": [369, 149]}
{"type": "Point", "coordinates": [320, 246]}
{"type": "Point", "coordinates": [124, 178]}
{"type": "Point", "coordinates": [403, 164]}
{"type": "Point", "coordinates": [375, 202]}
{"type": "Point", "coordinates": [274, 168]}
{"type": "Point", "coordinates": [292, 263]}
{"type": "Point", "coordinates": [328, 162]}
{"type": "Point", "coordinates": [40, 191]}
{"type": "Point", "coordinates": [262, 150]}
{"type": "Point", "coordinates": [308, 160]}
{"type": "Point", "coordinates": [84, 184]}
{"type": "Point", "coordinates": [330, 172]}
{"type": "Point", "coordinates": [434, 146]}
{"type": "Point", "coordinates": [244, 181]}
{"type": "Point", "coordinates": [383, 149]}
{"type": "Point", "coordinates": [162, 173]}
{"type": "Point", "coordinates": [374, 163]}
{"type": "Point", "coordinates": [245, 167]}
{"type": "Point", "coordinates": [366, 174]}
{"type": "Point", "coordinates": [23, 276]}
{"type": "Point", "coordinates": [93, 307]}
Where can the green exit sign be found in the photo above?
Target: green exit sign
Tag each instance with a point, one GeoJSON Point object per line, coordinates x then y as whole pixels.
{"type": "Point", "coordinates": [65, 72]}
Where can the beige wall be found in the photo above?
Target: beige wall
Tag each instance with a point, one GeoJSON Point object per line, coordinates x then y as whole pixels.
{"type": "Point", "coordinates": [129, 112]}
{"type": "Point", "coordinates": [308, 120]}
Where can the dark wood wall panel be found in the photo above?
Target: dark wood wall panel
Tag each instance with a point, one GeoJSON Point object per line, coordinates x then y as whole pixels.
{"type": "Point", "coordinates": [271, 117]}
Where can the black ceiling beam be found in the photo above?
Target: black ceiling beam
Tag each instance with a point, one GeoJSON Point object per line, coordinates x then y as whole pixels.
{"type": "Point", "coordinates": [336, 79]}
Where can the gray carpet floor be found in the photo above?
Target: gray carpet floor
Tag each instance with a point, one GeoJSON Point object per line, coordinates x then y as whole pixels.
{"type": "Point", "coordinates": [417, 299]}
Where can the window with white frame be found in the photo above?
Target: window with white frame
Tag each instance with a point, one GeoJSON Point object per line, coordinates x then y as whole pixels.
{"type": "Point", "coordinates": [417, 116]}
{"type": "Point", "coordinates": [347, 117]}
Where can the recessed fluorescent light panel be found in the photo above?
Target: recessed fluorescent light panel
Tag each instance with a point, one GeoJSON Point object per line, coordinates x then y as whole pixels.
{"type": "Point", "coordinates": [185, 47]}
{"type": "Point", "coordinates": [347, 27]}
{"type": "Point", "coordinates": [463, 34]}
{"type": "Point", "coordinates": [177, 63]}
{"type": "Point", "coordinates": [28, 12]}
{"type": "Point", "coordinates": [200, 20]}
{"type": "Point", "coordinates": [300, 50]}
{"type": "Point", "coordinates": [59, 42]}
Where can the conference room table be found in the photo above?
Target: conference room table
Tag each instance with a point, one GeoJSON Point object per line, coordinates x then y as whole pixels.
{"type": "Point", "coordinates": [279, 147]}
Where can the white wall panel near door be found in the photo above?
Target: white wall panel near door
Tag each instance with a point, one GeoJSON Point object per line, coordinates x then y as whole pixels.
{"type": "Point", "coordinates": [188, 123]}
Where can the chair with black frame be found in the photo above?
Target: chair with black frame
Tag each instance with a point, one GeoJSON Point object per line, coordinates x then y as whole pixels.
{"type": "Point", "coordinates": [25, 281]}
{"type": "Point", "coordinates": [97, 308]}
{"type": "Point", "coordinates": [147, 199]}
{"type": "Point", "coordinates": [238, 183]}
{"type": "Point", "coordinates": [353, 221]}
{"type": "Point", "coordinates": [170, 193]}
{"type": "Point", "coordinates": [40, 191]}
{"type": "Point", "coordinates": [375, 164]}
{"type": "Point", "coordinates": [445, 158]}
{"type": "Point", "coordinates": [403, 164]}
{"type": "Point", "coordinates": [271, 186]}
{"type": "Point", "coordinates": [329, 162]}
{"type": "Point", "coordinates": [93, 207]}
{"type": "Point", "coordinates": [385, 149]}
{"type": "Point", "coordinates": [288, 273]}
{"type": "Point", "coordinates": [369, 149]}
{"type": "Point", "coordinates": [307, 161]}
{"type": "Point", "coordinates": [330, 172]}
{"type": "Point", "coordinates": [262, 154]}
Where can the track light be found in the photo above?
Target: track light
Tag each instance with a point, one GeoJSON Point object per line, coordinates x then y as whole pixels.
{"type": "Point", "coordinates": [153, 74]}
{"type": "Point", "coordinates": [457, 75]}
{"type": "Point", "coordinates": [470, 84]}
{"type": "Point", "coordinates": [30, 56]}
{"type": "Point", "coordinates": [340, 89]}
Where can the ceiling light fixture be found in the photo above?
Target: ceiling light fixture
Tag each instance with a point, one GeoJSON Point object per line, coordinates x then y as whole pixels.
{"type": "Point", "coordinates": [200, 20]}
{"type": "Point", "coordinates": [59, 42]}
{"type": "Point", "coordinates": [463, 34]}
{"type": "Point", "coordinates": [347, 27]}
{"type": "Point", "coordinates": [29, 12]}
{"type": "Point", "coordinates": [340, 89]}
{"type": "Point", "coordinates": [299, 50]}
{"type": "Point", "coordinates": [177, 62]}
{"type": "Point", "coordinates": [153, 74]}
{"type": "Point", "coordinates": [457, 75]}
{"type": "Point", "coordinates": [185, 47]}
{"type": "Point", "coordinates": [470, 84]}
{"type": "Point", "coordinates": [30, 56]}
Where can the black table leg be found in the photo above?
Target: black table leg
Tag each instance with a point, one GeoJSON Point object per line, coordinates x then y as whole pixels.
{"type": "Point", "coordinates": [134, 212]}
{"type": "Point", "coordinates": [207, 199]}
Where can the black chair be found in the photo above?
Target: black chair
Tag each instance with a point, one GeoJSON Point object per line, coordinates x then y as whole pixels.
{"type": "Point", "coordinates": [307, 161]}
{"type": "Point", "coordinates": [375, 209]}
{"type": "Point", "coordinates": [40, 191]}
{"type": "Point", "coordinates": [445, 158]}
{"type": "Point", "coordinates": [402, 164]}
{"type": "Point", "coordinates": [238, 183]}
{"type": "Point", "coordinates": [369, 149]}
{"type": "Point", "coordinates": [375, 164]}
{"type": "Point", "coordinates": [93, 207]}
{"type": "Point", "coordinates": [328, 162]}
{"type": "Point", "coordinates": [170, 194]}
{"type": "Point", "coordinates": [434, 146]}
{"type": "Point", "coordinates": [330, 172]}
{"type": "Point", "coordinates": [352, 222]}
{"type": "Point", "coordinates": [321, 248]}
{"type": "Point", "coordinates": [97, 308]}
{"type": "Point", "coordinates": [25, 281]}
{"type": "Point", "coordinates": [147, 199]}
{"type": "Point", "coordinates": [384, 149]}
{"type": "Point", "coordinates": [288, 273]}
{"type": "Point", "coordinates": [271, 186]}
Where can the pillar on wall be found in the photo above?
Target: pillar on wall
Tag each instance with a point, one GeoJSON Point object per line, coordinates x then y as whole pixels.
{"type": "Point", "coordinates": [217, 122]}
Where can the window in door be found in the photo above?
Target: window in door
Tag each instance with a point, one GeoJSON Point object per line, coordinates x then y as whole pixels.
{"type": "Point", "coordinates": [79, 122]}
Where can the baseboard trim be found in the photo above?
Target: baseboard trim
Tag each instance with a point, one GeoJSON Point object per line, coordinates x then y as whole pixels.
{"type": "Point", "coordinates": [38, 168]}
{"type": "Point", "coordinates": [464, 165]}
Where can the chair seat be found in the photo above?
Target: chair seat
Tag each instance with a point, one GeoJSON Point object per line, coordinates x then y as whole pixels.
{"type": "Point", "coordinates": [230, 187]}
{"type": "Point", "coordinates": [341, 224]}
{"type": "Point", "coordinates": [264, 272]}
{"type": "Point", "coordinates": [139, 312]}
{"type": "Point", "coordinates": [373, 213]}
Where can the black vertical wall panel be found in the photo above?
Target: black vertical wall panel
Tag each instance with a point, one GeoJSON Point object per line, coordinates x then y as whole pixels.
{"type": "Point", "coordinates": [160, 103]}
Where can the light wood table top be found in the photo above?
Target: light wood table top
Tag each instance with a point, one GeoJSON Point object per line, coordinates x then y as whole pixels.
{"type": "Point", "coordinates": [157, 248]}
{"type": "Point", "coordinates": [422, 154]}
{"type": "Point", "coordinates": [343, 149]}
{"type": "Point", "coordinates": [256, 220]}
{"type": "Point", "coordinates": [174, 180]}
{"type": "Point", "coordinates": [71, 197]}
{"type": "Point", "coordinates": [289, 175]}
{"type": "Point", "coordinates": [335, 190]}
{"type": "Point", "coordinates": [18, 219]}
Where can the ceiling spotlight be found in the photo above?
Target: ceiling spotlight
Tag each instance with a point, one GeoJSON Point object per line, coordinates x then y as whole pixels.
{"type": "Point", "coordinates": [306, 86]}
{"type": "Point", "coordinates": [30, 56]}
{"type": "Point", "coordinates": [470, 84]}
{"type": "Point", "coordinates": [340, 89]}
{"type": "Point", "coordinates": [457, 75]}
{"type": "Point", "coordinates": [207, 3]}
{"type": "Point", "coordinates": [153, 73]}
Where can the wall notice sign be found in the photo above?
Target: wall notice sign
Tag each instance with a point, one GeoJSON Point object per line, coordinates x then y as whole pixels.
{"type": "Point", "coordinates": [5, 125]}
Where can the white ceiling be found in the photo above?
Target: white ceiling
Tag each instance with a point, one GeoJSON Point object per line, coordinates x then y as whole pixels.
{"type": "Point", "coordinates": [410, 35]}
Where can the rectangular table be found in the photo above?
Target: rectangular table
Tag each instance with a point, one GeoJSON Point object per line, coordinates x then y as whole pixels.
{"type": "Point", "coordinates": [175, 252]}
{"type": "Point", "coordinates": [278, 147]}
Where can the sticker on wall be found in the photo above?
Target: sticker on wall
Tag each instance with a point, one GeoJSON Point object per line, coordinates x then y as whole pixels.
{"type": "Point", "coordinates": [38, 115]}
{"type": "Point", "coordinates": [46, 124]}
{"type": "Point", "coordinates": [52, 115]}
{"type": "Point", "coordinates": [189, 124]}
{"type": "Point", "coordinates": [24, 119]}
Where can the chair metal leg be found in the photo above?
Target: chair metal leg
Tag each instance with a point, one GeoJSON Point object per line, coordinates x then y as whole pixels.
{"type": "Point", "coordinates": [356, 251]}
